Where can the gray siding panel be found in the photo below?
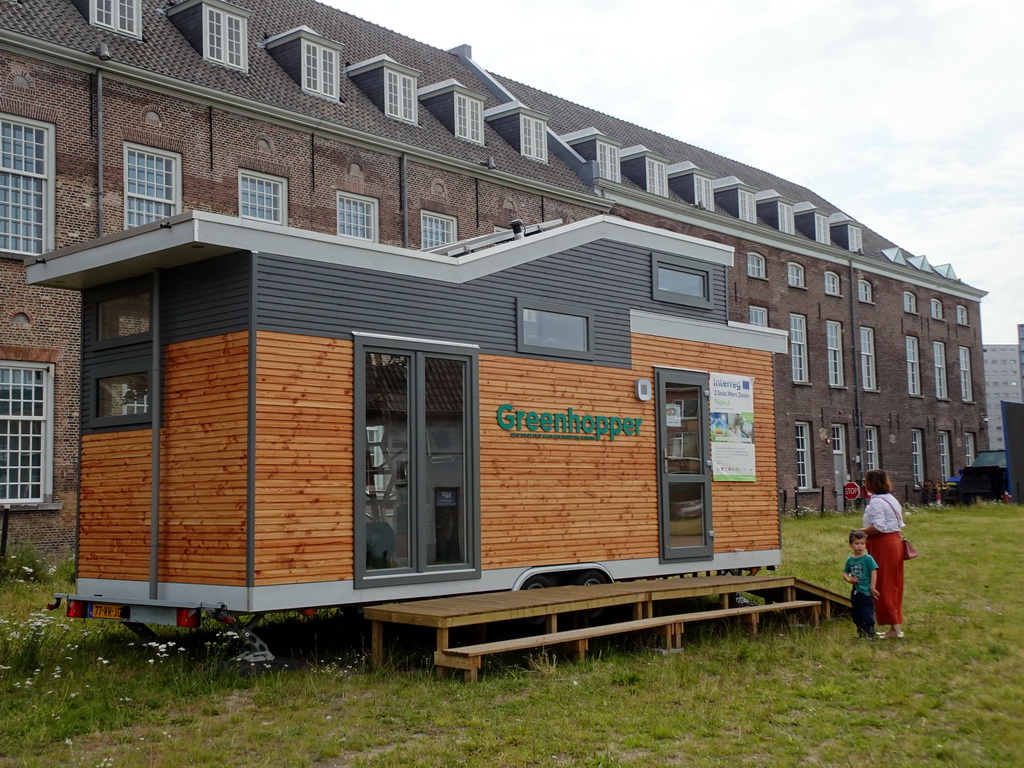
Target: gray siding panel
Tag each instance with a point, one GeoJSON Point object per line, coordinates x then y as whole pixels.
{"type": "Point", "coordinates": [603, 278]}
{"type": "Point", "coordinates": [206, 298]}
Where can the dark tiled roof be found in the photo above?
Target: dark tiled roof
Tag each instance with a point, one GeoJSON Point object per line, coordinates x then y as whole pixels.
{"type": "Point", "coordinates": [164, 50]}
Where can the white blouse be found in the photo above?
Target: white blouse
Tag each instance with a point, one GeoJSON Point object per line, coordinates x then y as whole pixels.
{"type": "Point", "coordinates": [883, 512]}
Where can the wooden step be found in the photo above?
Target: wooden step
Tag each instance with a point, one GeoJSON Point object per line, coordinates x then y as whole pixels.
{"type": "Point", "coordinates": [468, 658]}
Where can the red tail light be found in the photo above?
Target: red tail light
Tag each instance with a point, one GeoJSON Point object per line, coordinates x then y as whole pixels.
{"type": "Point", "coordinates": [188, 617]}
{"type": "Point", "coordinates": [76, 609]}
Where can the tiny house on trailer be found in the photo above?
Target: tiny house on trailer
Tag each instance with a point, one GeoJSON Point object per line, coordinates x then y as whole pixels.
{"type": "Point", "coordinates": [274, 419]}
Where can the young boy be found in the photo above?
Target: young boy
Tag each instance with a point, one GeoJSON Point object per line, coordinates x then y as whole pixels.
{"type": "Point", "coordinates": [862, 572]}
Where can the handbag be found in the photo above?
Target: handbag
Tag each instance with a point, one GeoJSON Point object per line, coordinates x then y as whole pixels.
{"type": "Point", "coordinates": [909, 550]}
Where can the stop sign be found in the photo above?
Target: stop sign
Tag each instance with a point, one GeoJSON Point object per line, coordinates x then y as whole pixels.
{"type": "Point", "coordinates": [851, 491]}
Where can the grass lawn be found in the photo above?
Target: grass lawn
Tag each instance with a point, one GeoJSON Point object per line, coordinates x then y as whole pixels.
{"type": "Point", "coordinates": [951, 693]}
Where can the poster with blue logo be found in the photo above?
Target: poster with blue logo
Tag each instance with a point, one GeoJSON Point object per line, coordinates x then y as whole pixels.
{"type": "Point", "coordinates": [732, 428]}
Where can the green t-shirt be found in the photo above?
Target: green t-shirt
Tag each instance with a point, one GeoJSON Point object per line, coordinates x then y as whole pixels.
{"type": "Point", "coordinates": [860, 568]}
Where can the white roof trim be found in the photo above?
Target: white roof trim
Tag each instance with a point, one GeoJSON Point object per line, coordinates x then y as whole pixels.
{"type": "Point", "coordinates": [740, 335]}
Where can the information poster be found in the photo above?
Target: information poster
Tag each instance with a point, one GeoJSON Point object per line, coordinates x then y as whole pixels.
{"type": "Point", "coordinates": [732, 428]}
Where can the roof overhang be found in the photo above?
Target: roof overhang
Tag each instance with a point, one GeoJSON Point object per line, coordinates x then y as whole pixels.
{"type": "Point", "coordinates": [197, 236]}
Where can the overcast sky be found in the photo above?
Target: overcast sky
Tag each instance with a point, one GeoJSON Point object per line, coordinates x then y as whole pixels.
{"type": "Point", "coordinates": [906, 114]}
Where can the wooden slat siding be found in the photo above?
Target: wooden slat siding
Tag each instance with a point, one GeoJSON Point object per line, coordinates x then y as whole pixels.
{"type": "Point", "coordinates": [113, 533]}
{"type": "Point", "coordinates": [203, 461]}
{"type": "Point", "coordinates": [304, 398]}
{"type": "Point", "coordinates": [745, 514]}
{"type": "Point", "coordinates": [549, 501]}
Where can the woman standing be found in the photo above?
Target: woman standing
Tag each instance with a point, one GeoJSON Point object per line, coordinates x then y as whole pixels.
{"type": "Point", "coordinates": [883, 520]}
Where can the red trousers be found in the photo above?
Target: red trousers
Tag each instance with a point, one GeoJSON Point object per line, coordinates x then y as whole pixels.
{"type": "Point", "coordinates": [887, 549]}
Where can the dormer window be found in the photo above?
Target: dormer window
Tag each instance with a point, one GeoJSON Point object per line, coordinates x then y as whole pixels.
{"type": "Point", "coordinates": [312, 61]}
{"type": "Point", "coordinates": [657, 183]}
{"type": "Point", "coordinates": [736, 198]}
{"type": "Point", "coordinates": [856, 239]}
{"type": "Point", "coordinates": [811, 222]}
{"type": "Point", "coordinates": [459, 109]}
{"type": "Point", "coordinates": [469, 118]}
{"type": "Point", "coordinates": [845, 233]}
{"type": "Point", "coordinates": [218, 30]}
{"type": "Point", "coordinates": [401, 96]}
{"type": "Point", "coordinates": [121, 16]}
{"type": "Point", "coordinates": [608, 161]}
{"type": "Point", "coordinates": [786, 218]}
{"type": "Point", "coordinates": [775, 210]}
{"type": "Point", "coordinates": [591, 144]}
{"type": "Point", "coordinates": [692, 184]}
{"type": "Point", "coordinates": [533, 135]}
{"type": "Point", "coordinates": [645, 168]}
{"type": "Point", "coordinates": [522, 127]}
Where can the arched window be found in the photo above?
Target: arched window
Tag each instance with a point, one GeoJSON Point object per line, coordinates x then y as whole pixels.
{"type": "Point", "coordinates": [795, 274]}
{"type": "Point", "coordinates": [832, 284]}
{"type": "Point", "coordinates": [755, 265]}
{"type": "Point", "coordinates": [936, 309]}
{"type": "Point", "coordinates": [864, 291]}
{"type": "Point", "coordinates": [909, 302]}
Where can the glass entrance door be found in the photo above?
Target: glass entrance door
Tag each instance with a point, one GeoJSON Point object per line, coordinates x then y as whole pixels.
{"type": "Point", "coordinates": [684, 468]}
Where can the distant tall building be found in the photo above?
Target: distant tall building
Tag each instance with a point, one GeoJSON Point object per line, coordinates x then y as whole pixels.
{"type": "Point", "coordinates": [1002, 382]}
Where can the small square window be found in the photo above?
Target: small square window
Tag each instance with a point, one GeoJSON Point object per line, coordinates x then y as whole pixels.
{"type": "Point", "coordinates": [555, 329]}
{"type": "Point", "coordinates": [152, 187]}
{"type": "Point", "coordinates": [786, 222]}
{"type": "Point", "coordinates": [681, 281]}
{"type": "Point", "coordinates": [123, 397]}
{"type": "Point", "coordinates": [759, 316]}
{"type": "Point", "coordinates": [436, 229]}
{"type": "Point", "coordinates": [123, 317]}
{"type": "Point", "coordinates": [747, 209]}
{"type": "Point", "coordinates": [320, 70]}
{"type": "Point", "coordinates": [821, 229]}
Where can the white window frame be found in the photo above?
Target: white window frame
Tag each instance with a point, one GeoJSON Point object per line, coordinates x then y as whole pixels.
{"type": "Point", "coordinates": [746, 206]}
{"type": "Point", "coordinates": [756, 266]}
{"type": "Point", "coordinates": [798, 347]}
{"type": "Point", "coordinates": [469, 119]}
{"type": "Point", "coordinates": [431, 222]}
{"type": "Point", "coordinates": [533, 138]}
{"type": "Point", "coordinates": [939, 366]}
{"type": "Point", "coordinates": [320, 69]}
{"type": "Point", "coordinates": [832, 284]}
{"type": "Point", "coordinates": [913, 348]}
{"type": "Point", "coordinates": [121, 16]}
{"type": "Point", "coordinates": [787, 224]}
{"type": "Point", "coordinates": [278, 191]}
{"type": "Point", "coordinates": [821, 229]}
{"type": "Point", "coordinates": [910, 302]}
{"type": "Point", "coordinates": [834, 347]}
{"type": "Point", "coordinates": [12, 425]}
{"type": "Point", "coordinates": [357, 217]}
{"type": "Point", "coordinates": [802, 444]}
{"type": "Point", "coordinates": [865, 292]}
{"type": "Point", "coordinates": [936, 309]}
{"type": "Point", "coordinates": [970, 449]}
{"type": "Point", "coordinates": [608, 161]}
{"type": "Point", "coordinates": [868, 378]}
{"type": "Point", "coordinates": [871, 459]}
{"type": "Point", "coordinates": [917, 455]}
{"type": "Point", "coordinates": [945, 458]}
{"type": "Point", "coordinates": [961, 315]}
{"type": "Point", "coordinates": [173, 202]}
{"type": "Point", "coordinates": [41, 215]}
{"type": "Point", "coordinates": [966, 387]}
{"type": "Point", "coordinates": [704, 192]}
{"type": "Point", "coordinates": [795, 275]}
{"type": "Point", "coordinates": [758, 316]}
{"type": "Point", "coordinates": [657, 177]}
{"type": "Point", "coordinates": [225, 38]}
{"type": "Point", "coordinates": [400, 96]}
{"type": "Point", "coordinates": [856, 238]}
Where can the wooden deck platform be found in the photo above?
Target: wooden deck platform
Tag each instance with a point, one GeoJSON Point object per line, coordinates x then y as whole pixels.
{"type": "Point", "coordinates": [779, 593]}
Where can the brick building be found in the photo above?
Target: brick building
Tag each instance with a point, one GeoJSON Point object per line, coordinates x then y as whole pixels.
{"type": "Point", "coordinates": [293, 113]}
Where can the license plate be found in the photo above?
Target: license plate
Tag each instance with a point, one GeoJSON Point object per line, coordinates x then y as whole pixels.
{"type": "Point", "coordinates": [103, 611]}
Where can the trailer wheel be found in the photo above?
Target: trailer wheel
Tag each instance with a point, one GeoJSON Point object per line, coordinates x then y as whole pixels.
{"type": "Point", "coordinates": [587, 578]}
{"type": "Point", "coordinates": [538, 581]}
